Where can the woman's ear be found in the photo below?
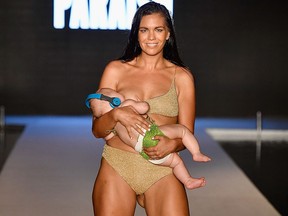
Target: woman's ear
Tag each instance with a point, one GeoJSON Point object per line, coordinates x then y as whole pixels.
{"type": "Point", "coordinates": [168, 35]}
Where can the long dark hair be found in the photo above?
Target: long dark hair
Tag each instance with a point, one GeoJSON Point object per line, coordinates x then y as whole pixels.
{"type": "Point", "coordinates": [133, 49]}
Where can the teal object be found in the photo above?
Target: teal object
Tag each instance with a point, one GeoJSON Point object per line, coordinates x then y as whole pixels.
{"type": "Point", "coordinates": [148, 141]}
{"type": "Point", "coordinates": [114, 101]}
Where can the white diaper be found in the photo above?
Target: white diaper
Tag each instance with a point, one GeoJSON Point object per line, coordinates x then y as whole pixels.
{"type": "Point", "coordinates": [139, 144]}
{"type": "Point", "coordinates": [139, 148]}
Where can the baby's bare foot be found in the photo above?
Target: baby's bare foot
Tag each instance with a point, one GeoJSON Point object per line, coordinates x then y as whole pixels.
{"type": "Point", "coordinates": [193, 183]}
{"type": "Point", "coordinates": [201, 157]}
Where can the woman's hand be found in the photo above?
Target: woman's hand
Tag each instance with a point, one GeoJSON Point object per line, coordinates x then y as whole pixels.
{"type": "Point", "coordinates": [131, 119]}
{"type": "Point", "coordinates": [164, 147]}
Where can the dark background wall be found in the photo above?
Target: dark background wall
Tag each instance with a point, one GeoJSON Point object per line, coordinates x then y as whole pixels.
{"type": "Point", "coordinates": [237, 51]}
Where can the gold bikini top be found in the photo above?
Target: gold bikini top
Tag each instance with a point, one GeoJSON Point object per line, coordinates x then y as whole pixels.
{"type": "Point", "coordinates": [166, 104]}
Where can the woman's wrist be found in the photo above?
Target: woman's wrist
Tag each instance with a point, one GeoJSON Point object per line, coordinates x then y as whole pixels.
{"type": "Point", "coordinates": [114, 114]}
{"type": "Point", "coordinates": [107, 122]}
{"type": "Point", "coordinates": [178, 145]}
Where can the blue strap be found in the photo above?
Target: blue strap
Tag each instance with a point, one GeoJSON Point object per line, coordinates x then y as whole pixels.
{"type": "Point", "coordinates": [113, 101]}
{"type": "Point", "coordinates": [91, 96]}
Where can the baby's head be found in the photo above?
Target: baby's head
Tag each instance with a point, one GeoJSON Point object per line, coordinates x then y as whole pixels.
{"type": "Point", "coordinates": [100, 107]}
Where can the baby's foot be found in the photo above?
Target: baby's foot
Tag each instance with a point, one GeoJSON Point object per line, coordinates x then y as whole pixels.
{"type": "Point", "coordinates": [201, 157]}
{"type": "Point", "coordinates": [193, 183]}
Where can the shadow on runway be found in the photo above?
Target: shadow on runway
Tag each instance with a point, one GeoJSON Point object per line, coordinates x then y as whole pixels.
{"type": "Point", "coordinates": [8, 138]}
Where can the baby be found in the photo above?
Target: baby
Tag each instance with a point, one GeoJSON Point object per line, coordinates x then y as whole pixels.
{"type": "Point", "coordinates": [107, 99]}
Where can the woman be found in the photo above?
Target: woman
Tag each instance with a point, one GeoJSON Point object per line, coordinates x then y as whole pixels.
{"type": "Point", "coordinates": [150, 70]}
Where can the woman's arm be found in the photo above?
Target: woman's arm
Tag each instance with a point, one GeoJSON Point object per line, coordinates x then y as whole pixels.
{"type": "Point", "coordinates": [127, 115]}
{"type": "Point", "coordinates": [186, 100]}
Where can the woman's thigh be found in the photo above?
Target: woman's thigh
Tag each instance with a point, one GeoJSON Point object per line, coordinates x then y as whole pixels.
{"type": "Point", "coordinates": [166, 197]}
{"type": "Point", "coordinates": [111, 194]}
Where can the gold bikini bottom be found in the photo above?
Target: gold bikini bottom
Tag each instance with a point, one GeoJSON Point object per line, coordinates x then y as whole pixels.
{"type": "Point", "coordinates": [139, 173]}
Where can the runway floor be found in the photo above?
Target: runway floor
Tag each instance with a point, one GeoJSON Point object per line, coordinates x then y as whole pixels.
{"type": "Point", "coordinates": [52, 168]}
{"type": "Point", "coordinates": [268, 172]}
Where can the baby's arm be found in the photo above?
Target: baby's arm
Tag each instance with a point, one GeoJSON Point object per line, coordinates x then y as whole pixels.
{"type": "Point", "coordinates": [141, 107]}
{"type": "Point", "coordinates": [124, 136]}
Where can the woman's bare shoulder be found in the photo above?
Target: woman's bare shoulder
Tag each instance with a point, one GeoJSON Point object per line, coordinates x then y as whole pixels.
{"type": "Point", "coordinates": [114, 73]}
{"type": "Point", "coordinates": [115, 65]}
{"type": "Point", "coordinates": [184, 74]}
{"type": "Point", "coordinates": [114, 69]}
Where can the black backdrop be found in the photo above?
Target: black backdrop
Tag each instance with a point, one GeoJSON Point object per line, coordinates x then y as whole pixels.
{"type": "Point", "coordinates": [237, 51]}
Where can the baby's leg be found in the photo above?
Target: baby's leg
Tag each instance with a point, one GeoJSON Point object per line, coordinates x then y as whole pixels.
{"type": "Point", "coordinates": [123, 135]}
{"type": "Point", "coordinates": [180, 131]}
{"type": "Point", "coordinates": [180, 171]}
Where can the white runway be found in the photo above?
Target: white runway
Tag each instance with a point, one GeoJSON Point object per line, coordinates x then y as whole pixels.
{"type": "Point", "coordinates": [52, 168]}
